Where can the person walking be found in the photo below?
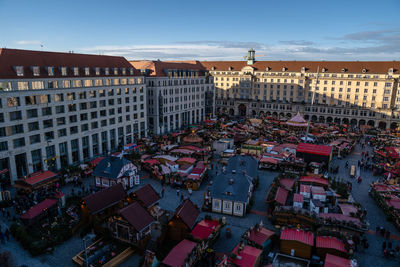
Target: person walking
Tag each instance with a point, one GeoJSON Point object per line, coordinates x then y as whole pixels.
{"type": "Point", "coordinates": [162, 192]}
{"type": "Point", "coordinates": [177, 192]}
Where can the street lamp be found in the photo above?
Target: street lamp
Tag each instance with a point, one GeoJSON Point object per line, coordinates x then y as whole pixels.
{"type": "Point", "coordinates": [85, 239]}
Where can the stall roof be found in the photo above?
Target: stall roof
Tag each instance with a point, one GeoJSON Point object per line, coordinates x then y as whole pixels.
{"type": "Point", "coordinates": [182, 151]}
{"type": "Point", "coordinates": [166, 157]}
{"type": "Point", "coordinates": [313, 179]}
{"type": "Point", "coordinates": [188, 212]}
{"type": "Point", "coordinates": [137, 216]}
{"type": "Point", "coordinates": [269, 160]}
{"type": "Point", "coordinates": [105, 198]}
{"type": "Point", "coordinates": [147, 195]}
{"type": "Point", "coordinates": [335, 261]}
{"type": "Point", "coordinates": [38, 208]}
{"type": "Point", "coordinates": [151, 162]}
{"type": "Point", "coordinates": [281, 196]}
{"type": "Point", "coordinates": [339, 217]}
{"type": "Point", "coordinates": [330, 242]}
{"type": "Point", "coordinates": [314, 149]}
{"type": "Point", "coordinates": [298, 198]}
{"type": "Point", "coordinates": [393, 202]}
{"type": "Point", "coordinates": [287, 183]}
{"type": "Point", "coordinates": [188, 160]}
{"type": "Point", "coordinates": [248, 256]}
{"type": "Point", "coordinates": [318, 190]}
{"type": "Point", "coordinates": [95, 161]}
{"type": "Point", "coordinates": [261, 235]}
{"type": "Point", "coordinates": [204, 229]}
{"type": "Point", "coordinates": [298, 235]}
{"type": "Point", "coordinates": [38, 177]}
{"type": "Point", "coordinates": [176, 257]}
{"type": "Point", "coordinates": [347, 209]}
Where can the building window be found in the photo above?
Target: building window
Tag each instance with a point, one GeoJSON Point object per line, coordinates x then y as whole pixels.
{"type": "Point", "coordinates": [34, 139]}
{"type": "Point", "coordinates": [15, 115]}
{"type": "Point", "coordinates": [50, 71]}
{"type": "Point", "coordinates": [33, 126]}
{"type": "Point", "coordinates": [31, 113]}
{"type": "Point", "coordinates": [87, 71]}
{"type": "Point", "coordinates": [3, 146]}
{"type": "Point", "coordinates": [97, 70]}
{"type": "Point", "coordinates": [64, 71]}
{"type": "Point", "coordinates": [36, 71]}
{"type": "Point", "coordinates": [19, 70]}
{"type": "Point", "coordinates": [19, 142]}
{"type": "Point", "coordinates": [76, 71]}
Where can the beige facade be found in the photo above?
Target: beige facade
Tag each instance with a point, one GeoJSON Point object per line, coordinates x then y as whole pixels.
{"type": "Point", "coordinates": [347, 92]}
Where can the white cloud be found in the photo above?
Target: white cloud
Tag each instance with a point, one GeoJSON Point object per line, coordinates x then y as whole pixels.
{"type": "Point", "coordinates": [28, 42]}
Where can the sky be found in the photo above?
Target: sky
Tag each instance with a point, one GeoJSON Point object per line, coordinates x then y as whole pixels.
{"type": "Point", "coordinates": [206, 30]}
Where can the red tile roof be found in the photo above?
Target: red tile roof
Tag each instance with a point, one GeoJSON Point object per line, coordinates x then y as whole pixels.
{"type": "Point", "coordinates": [281, 196]}
{"type": "Point", "coordinates": [96, 161]}
{"type": "Point", "coordinates": [38, 208]}
{"type": "Point", "coordinates": [314, 149]}
{"type": "Point", "coordinates": [298, 235]}
{"type": "Point", "coordinates": [9, 58]}
{"type": "Point", "coordinates": [259, 237]}
{"type": "Point", "coordinates": [147, 195]}
{"type": "Point", "coordinates": [188, 212]}
{"type": "Point", "coordinates": [311, 66]}
{"type": "Point", "coordinates": [158, 68]}
{"type": "Point", "coordinates": [204, 229]}
{"type": "Point", "coordinates": [186, 159]}
{"type": "Point", "coordinates": [105, 198]}
{"type": "Point", "coordinates": [287, 183]}
{"type": "Point", "coordinates": [330, 242]}
{"type": "Point", "coordinates": [38, 177]}
{"type": "Point", "coordinates": [248, 256]}
{"type": "Point", "coordinates": [176, 257]}
{"type": "Point", "coordinates": [335, 261]}
{"type": "Point", "coordinates": [314, 180]}
{"type": "Point", "coordinates": [137, 216]}
{"type": "Point", "coordinates": [347, 209]}
{"type": "Point", "coordinates": [393, 202]}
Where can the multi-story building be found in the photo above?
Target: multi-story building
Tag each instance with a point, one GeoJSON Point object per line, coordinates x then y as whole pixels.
{"type": "Point", "coordinates": [59, 109]}
{"type": "Point", "coordinates": [178, 94]}
{"type": "Point", "coordinates": [347, 92]}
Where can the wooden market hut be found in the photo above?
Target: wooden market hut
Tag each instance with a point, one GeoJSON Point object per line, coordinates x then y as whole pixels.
{"type": "Point", "coordinates": [104, 203]}
{"type": "Point", "coordinates": [37, 180]}
{"type": "Point", "coordinates": [330, 245]}
{"type": "Point", "coordinates": [40, 210]}
{"type": "Point", "coordinates": [183, 221]}
{"type": "Point", "coordinates": [132, 225]}
{"type": "Point", "coordinates": [149, 199]}
{"type": "Point", "coordinates": [246, 256]}
{"type": "Point", "coordinates": [297, 242]}
{"type": "Point", "coordinates": [185, 253]}
{"type": "Point", "coordinates": [206, 230]}
{"type": "Point", "coordinates": [260, 237]}
{"type": "Point", "coordinates": [335, 261]}
{"type": "Point", "coordinates": [314, 153]}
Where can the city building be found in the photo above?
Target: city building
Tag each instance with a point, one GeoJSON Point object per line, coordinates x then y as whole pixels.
{"type": "Point", "coordinates": [348, 92]}
{"type": "Point", "coordinates": [61, 109]}
{"type": "Point", "coordinates": [179, 94]}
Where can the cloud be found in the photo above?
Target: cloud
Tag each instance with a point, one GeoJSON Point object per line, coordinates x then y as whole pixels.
{"type": "Point", "coordinates": [28, 42]}
{"type": "Point", "coordinates": [297, 42]}
{"type": "Point", "coordinates": [367, 45]}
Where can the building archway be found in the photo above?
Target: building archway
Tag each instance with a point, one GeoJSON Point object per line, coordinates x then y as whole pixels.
{"type": "Point", "coordinates": [218, 110]}
{"type": "Point", "coordinates": [281, 115]}
{"type": "Point", "coordinates": [306, 117]}
{"type": "Point", "coordinates": [361, 122]}
{"type": "Point", "coordinates": [242, 110]}
{"type": "Point", "coordinates": [268, 114]}
{"type": "Point", "coordinates": [288, 115]}
{"type": "Point", "coordinates": [329, 119]}
{"type": "Point", "coordinates": [314, 118]}
{"type": "Point", "coordinates": [353, 122]}
{"type": "Point", "coordinates": [321, 119]}
{"type": "Point", "coordinates": [371, 123]}
{"type": "Point", "coordinates": [231, 112]}
{"type": "Point", "coordinates": [337, 120]}
{"type": "Point", "coordinates": [394, 125]}
{"type": "Point", "coordinates": [262, 114]}
{"type": "Point", "coordinates": [382, 125]}
{"type": "Point", "coordinates": [253, 113]}
{"type": "Point", "coordinates": [345, 121]}
{"type": "Point", "coordinates": [275, 115]}
{"type": "Point", "coordinates": [224, 111]}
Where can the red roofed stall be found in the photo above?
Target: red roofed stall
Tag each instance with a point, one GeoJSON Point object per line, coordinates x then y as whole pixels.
{"type": "Point", "coordinates": [314, 180]}
{"type": "Point", "coordinates": [260, 237]}
{"type": "Point", "coordinates": [314, 153]}
{"type": "Point", "coordinates": [208, 230]}
{"type": "Point", "coordinates": [330, 245]}
{"type": "Point", "coordinates": [281, 196]}
{"type": "Point", "coordinates": [178, 256]}
{"type": "Point", "coordinates": [247, 256]}
{"type": "Point", "coordinates": [37, 180]}
{"type": "Point", "coordinates": [335, 261]}
{"type": "Point", "coordinates": [298, 240]}
{"type": "Point", "coordinates": [41, 209]}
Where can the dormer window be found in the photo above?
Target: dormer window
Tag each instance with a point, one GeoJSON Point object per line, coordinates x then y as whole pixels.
{"type": "Point", "coordinates": [303, 69]}
{"type": "Point", "coordinates": [284, 69]}
{"type": "Point", "coordinates": [76, 71]}
{"type": "Point", "coordinates": [63, 71]}
{"type": "Point", "coordinates": [97, 70]}
{"type": "Point", "coordinates": [390, 71]}
{"type": "Point", "coordinates": [36, 70]}
{"type": "Point", "coordinates": [230, 68]}
{"type": "Point", "coordinates": [19, 70]}
{"type": "Point", "coordinates": [107, 71]}
{"type": "Point", "coordinates": [131, 71]}
{"type": "Point", "coordinates": [50, 71]}
{"type": "Point", "coordinates": [343, 70]}
{"type": "Point", "coordinates": [213, 68]}
{"type": "Point", "coordinates": [115, 71]}
{"type": "Point", "coordinates": [364, 70]}
{"type": "Point", "coordinates": [123, 71]}
{"type": "Point", "coordinates": [268, 69]}
{"type": "Point", "coordinates": [87, 71]}
{"type": "Point", "coordinates": [324, 69]}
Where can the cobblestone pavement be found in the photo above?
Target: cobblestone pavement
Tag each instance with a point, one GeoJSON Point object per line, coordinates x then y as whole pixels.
{"type": "Point", "coordinates": [372, 257]}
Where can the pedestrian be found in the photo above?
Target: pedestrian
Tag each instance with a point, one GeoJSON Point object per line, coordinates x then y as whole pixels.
{"type": "Point", "coordinates": [177, 192]}
{"type": "Point", "coordinates": [7, 234]}
{"type": "Point", "coordinates": [8, 214]}
{"type": "Point", "coordinates": [397, 249]}
{"type": "Point", "coordinates": [387, 234]}
{"type": "Point", "coordinates": [181, 197]}
{"type": "Point", "coordinates": [162, 192]}
{"type": "Point", "coordinates": [390, 245]}
{"type": "Point", "coordinates": [384, 245]}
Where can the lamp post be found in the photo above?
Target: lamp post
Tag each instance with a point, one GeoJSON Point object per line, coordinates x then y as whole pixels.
{"type": "Point", "coordinates": [84, 244]}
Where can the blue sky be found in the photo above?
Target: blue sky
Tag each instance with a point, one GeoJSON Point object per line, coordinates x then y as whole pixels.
{"type": "Point", "coordinates": [207, 30]}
